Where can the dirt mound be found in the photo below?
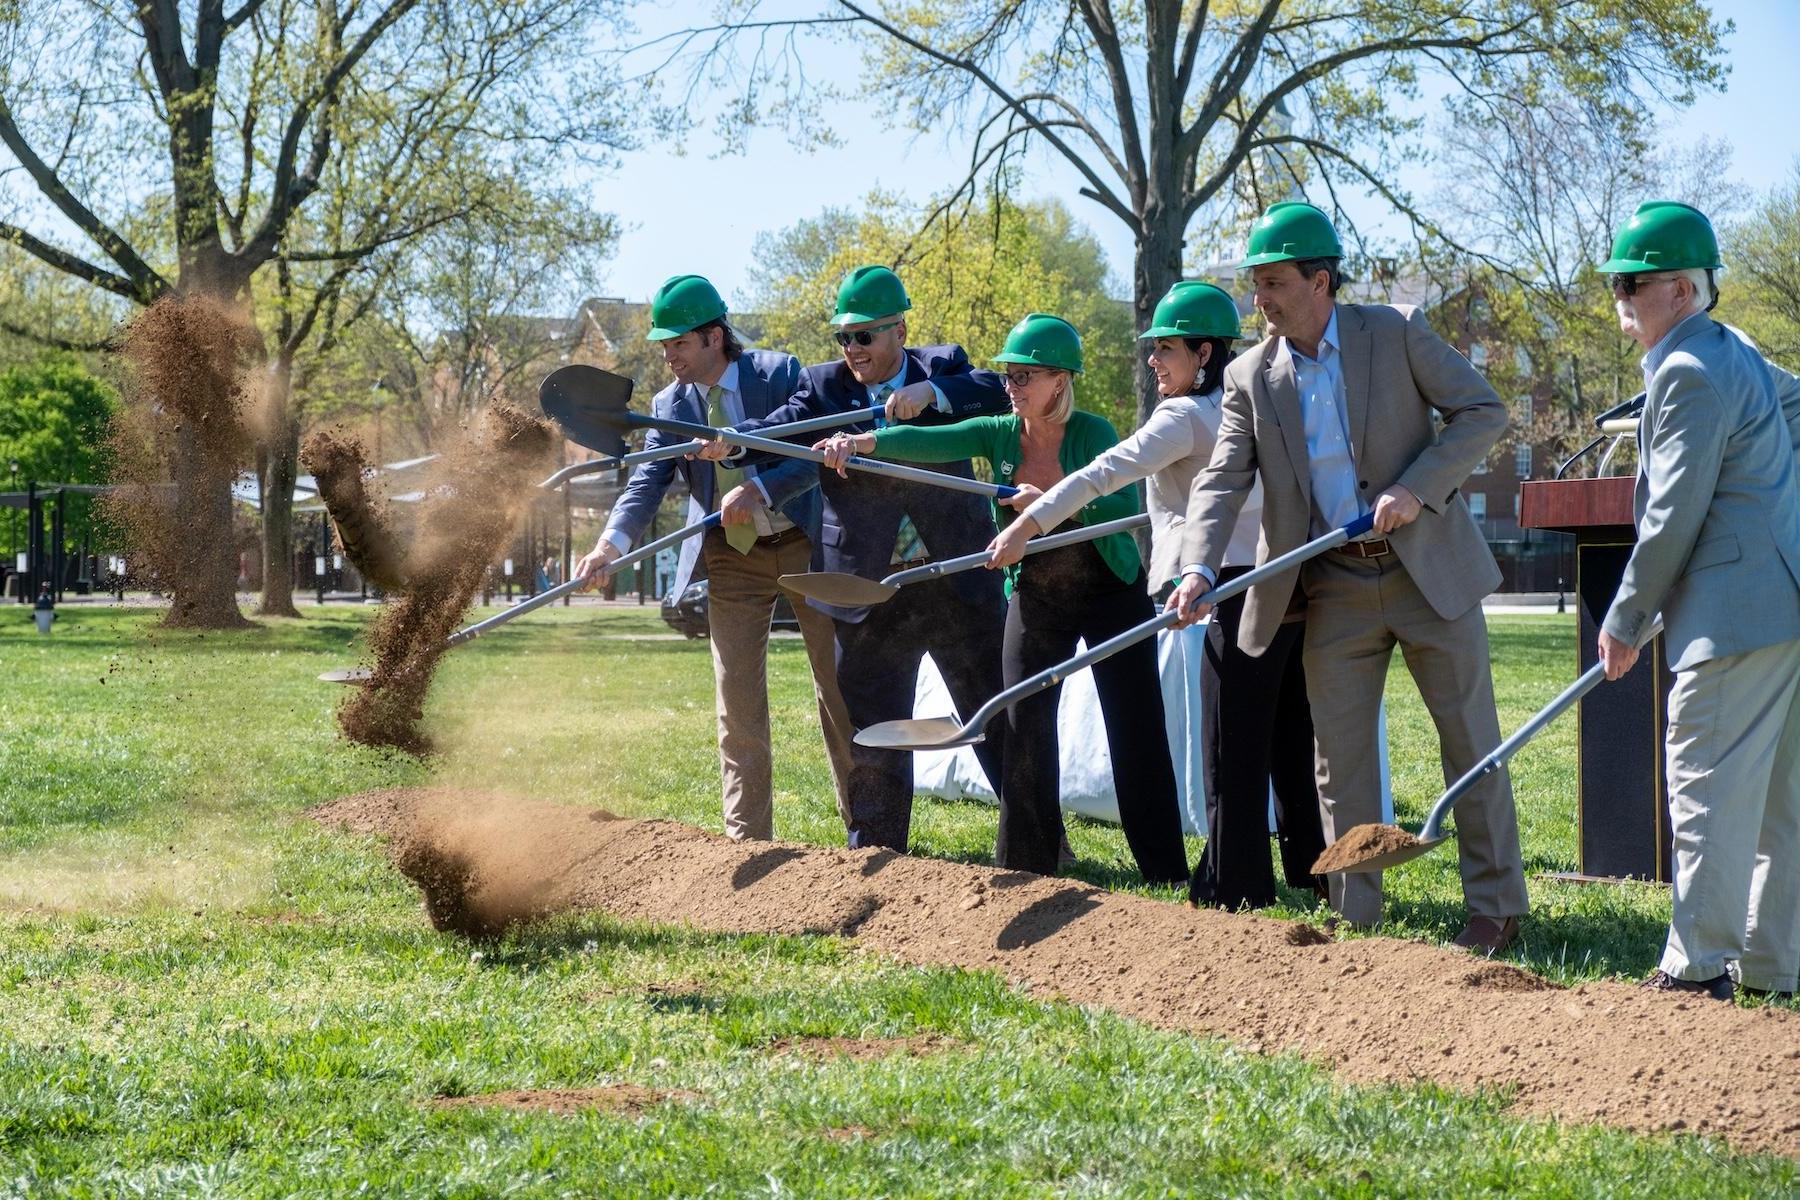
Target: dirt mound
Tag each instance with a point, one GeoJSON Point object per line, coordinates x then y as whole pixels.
{"type": "Point", "coordinates": [176, 445]}
{"type": "Point", "coordinates": [619, 1098]}
{"type": "Point", "coordinates": [479, 490]}
{"type": "Point", "coordinates": [1360, 844]}
{"type": "Point", "coordinates": [1380, 1010]}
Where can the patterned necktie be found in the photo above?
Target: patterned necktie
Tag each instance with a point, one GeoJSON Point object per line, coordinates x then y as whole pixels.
{"type": "Point", "coordinates": [908, 545]}
{"type": "Point", "coordinates": [740, 537]}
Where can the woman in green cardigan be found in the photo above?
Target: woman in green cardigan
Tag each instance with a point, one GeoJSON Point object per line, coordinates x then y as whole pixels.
{"type": "Point", "coordinates": [1089, 591]}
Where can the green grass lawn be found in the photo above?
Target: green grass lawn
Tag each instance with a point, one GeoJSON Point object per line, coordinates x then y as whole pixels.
{"type": "Point", "coordinates": [203, 993]}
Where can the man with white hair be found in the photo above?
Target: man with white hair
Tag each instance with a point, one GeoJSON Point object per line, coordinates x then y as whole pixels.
{"type": "Point", "coordinates": [1718, 555]}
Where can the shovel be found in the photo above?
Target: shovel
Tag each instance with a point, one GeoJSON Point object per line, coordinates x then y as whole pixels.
{"type": "Point", "coordinates": [469, 632]}
{"type": "Point", "coordinates": [591, 405]}
{"type": "Point", "coordinates": [810, 425]}
{"type": "Point", "coordinates": [1378, 847]}
{"type": "Point", "coordinates": [943, 733]}
{"type": "Point", "coordinates": [843, 590]}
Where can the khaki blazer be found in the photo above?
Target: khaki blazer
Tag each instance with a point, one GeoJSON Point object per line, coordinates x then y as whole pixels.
{"type": "Point", "coordinates": [1398, 375]}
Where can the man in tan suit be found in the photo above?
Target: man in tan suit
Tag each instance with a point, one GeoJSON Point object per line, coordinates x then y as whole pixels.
{"type": "Point", "coordinates": [1333, 411]}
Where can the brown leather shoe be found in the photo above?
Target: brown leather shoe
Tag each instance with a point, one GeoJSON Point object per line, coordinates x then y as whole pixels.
{"type": "Point", "coordinates": [1717, 988]}
{"type": "Point", "coordinates": [1490, 935]}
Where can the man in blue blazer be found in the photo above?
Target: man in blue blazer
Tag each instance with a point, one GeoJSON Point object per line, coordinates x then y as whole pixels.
{"type": "Point", "coordinates": [770, 519]}
{"type": "Point", "coordinates": [873, 525]}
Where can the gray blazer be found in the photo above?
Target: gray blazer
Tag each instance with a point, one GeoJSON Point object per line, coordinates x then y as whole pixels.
{"type": "Point", "coordinates": [1718, 513]}
{"type": "Point", "coordinates": [1168, 450]}
{"type": "Point", "coordinates": [1397, 373]}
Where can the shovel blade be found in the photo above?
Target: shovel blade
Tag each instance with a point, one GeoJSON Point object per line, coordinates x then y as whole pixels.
{"type": "Point", "coordinates": [1392, 858]}
{"type": "Point", "coordinates": [347, 675]}
{"type": "Point", "coordinates": [591, 405]}
{"type": "Point", "coordinates": [920, 733]}
{"type": "Point", "coordinates": [838, 588]}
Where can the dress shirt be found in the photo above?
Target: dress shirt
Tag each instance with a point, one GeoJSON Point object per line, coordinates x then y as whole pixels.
{"type": "Point", "coordinates": [1654, 359]}
{"type": "Point", "coordinates": [1320, 382]}
{"type": "Point", "coordinates": [942, 403]}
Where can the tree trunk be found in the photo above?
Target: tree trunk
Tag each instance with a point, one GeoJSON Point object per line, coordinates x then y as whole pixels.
{"type": "Point", "coordinates": [278, 494]}
{"type": "Point", "coordinates": [1157, 267]}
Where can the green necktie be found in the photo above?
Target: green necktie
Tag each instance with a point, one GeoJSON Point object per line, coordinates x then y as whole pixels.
{"type": "Point", "coordinates": [740, 537]}
{"type": "Point", "coordinates": [908, 545]}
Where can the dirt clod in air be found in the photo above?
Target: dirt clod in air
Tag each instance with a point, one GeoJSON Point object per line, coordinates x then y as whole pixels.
{"type": "Point", "coordinates": [618, 1098]}
{"type": "Point", "coordinates": [1379, 1010]}
{"type": "Point", "coordinates": [1360, 844]}
{"type": "Point", "coordinates": [336, 461]}
{"type": "Point", "coordinates": [479, 490]}
{"type": "Point", "coordinates": [177, 443]}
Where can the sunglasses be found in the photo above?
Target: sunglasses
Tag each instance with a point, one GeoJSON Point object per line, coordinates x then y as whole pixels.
{"type": "Point", "coordinates": [1628, 285]}
{"type": "Point", "coordinates": [862, 337]}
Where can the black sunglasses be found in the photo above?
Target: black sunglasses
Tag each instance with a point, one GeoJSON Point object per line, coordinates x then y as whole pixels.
{"type": "Point", "coordinates": [1628, 285]}
{"type": "Point", "coordinates": [862, 337]}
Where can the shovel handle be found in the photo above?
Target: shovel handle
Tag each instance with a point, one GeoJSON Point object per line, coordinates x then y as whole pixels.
{"type": "Point", "coordinates": [469, 632]}
{"type": "Point", "coordinates": [872, 466]}
{"type": "Point", "coordinates": [966, 562]}
{"type": "Point", "coordinates": [1590, 679]}
{"type": "Point", "coordinates": [1052, 676]}
{"type": "Point", "coordinates": [600, 465]}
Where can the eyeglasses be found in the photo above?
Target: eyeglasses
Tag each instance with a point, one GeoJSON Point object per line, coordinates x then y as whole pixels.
{"type": "Point", "coordinates": [1022, 379]}
{"type": "Point", "coordinates": [1628, 285]}
{"type": "Point", "coordinates": [862, 337]}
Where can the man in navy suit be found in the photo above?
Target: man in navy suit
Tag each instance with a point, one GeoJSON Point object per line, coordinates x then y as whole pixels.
{"type": "Point", "coordinates": [769, 521]}
{"type": "Point", "coordinates": [874, 525]}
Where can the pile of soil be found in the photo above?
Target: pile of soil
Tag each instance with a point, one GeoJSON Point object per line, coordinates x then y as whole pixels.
{"type": "Point", "coordinates": [1360, 844]}
{"type": "Point", "coordinates": [176, 444]}
{"type": "Point", "coordinates": [1380, 1010]}
{"type": "Point", "coordinates": [481, 487]}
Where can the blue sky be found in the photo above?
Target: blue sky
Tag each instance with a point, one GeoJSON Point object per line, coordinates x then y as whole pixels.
{"type": "Point", "coordinates": [664, 199]}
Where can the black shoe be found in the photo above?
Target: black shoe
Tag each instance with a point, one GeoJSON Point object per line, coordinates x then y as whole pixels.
{"type": "Point", "coordinates": [1718, 988]}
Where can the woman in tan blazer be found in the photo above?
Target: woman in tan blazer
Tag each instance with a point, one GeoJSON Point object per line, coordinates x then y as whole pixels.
{"type": "Point", "coordinates": [1256, 727]}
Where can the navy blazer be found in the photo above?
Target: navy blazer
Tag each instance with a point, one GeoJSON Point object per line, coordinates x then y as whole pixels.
{"type": "Point", "coordinates": [766, 379]}
{"type": "Point", "coordinates": [861, 519]}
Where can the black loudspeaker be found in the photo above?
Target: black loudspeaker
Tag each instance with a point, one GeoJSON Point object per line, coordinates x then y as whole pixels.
{"type": "Point", "coordinates": [1624, 812]}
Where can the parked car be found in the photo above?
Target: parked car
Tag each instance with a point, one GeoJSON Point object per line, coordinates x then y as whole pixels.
{"type": "Point", "coordinates": [685, 611]}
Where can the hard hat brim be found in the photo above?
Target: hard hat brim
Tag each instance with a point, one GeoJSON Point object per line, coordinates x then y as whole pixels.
{"type": "Point", "coordinates": [1026, 360]}
{"type": "Point", "coordinates": [856, 318]}
{"type": "Point", "coordinates": [1156, 331]}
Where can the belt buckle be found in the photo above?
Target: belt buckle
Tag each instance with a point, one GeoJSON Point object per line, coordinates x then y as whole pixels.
{"type": "Point", "coordinates": [1368, 549]}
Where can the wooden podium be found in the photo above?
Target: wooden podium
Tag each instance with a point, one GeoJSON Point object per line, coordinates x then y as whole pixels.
{"type": "Point", "coordinates": [1622, 802]}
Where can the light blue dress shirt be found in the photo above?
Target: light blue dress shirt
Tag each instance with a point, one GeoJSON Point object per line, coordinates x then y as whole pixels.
{"type": "Point", "coordinates": [1320, 382]}
{"type": "Point", "coordinates": [942, 403]}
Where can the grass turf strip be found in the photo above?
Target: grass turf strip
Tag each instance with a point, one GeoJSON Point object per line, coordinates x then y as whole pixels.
{"type": "Point", "coordinates": [227, 999]}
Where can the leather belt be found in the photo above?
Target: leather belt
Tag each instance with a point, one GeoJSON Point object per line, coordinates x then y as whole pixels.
{"type": "Point", "coordinates": [786, 535]}
{"type": "Point", "coordinates": [1377, 548]}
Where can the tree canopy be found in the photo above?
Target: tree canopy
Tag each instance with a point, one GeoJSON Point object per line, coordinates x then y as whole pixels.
{"type": "Point", "coordinates": [971, 275]}
{"type": "Point", "coordinates": [53, 418]}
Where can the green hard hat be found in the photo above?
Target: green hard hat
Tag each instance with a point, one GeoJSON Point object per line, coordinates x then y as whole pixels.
{"type": "Point", "coordinates": [682, 303]}
{"type": "Point", "coordinates": [1663, 236]}
{"type": "Point", "coordinates": [1288, 231]}
{"type": "Point", "coordinates": [869, 294]}
{"type": "Point", "coordinates": [1041, 340]}
{"type": "Point", "coordinates": [1193, 309]}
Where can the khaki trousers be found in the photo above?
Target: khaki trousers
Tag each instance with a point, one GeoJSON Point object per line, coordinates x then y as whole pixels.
{"type": "Point", "coordinates": [740, 605]}
{"type": "Point", "coordinates": [1733, 756]}
{"type": "Point", "coordinates": [1357, 611]}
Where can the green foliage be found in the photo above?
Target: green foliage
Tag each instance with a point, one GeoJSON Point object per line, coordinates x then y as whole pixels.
{"type": "Point", "coordinates": [53, 418]}
{"type": "Point", "coordinates": [971, 275]}
{"type": "Point", "coordinates": [1760, 288]}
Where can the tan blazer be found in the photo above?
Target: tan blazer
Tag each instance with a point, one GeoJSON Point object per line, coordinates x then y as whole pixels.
{"type": "Point", "coordinates": [1397, 374]}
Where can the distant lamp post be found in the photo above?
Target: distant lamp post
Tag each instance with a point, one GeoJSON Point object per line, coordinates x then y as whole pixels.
{"type": "Point", "coordinates": [12, 520]}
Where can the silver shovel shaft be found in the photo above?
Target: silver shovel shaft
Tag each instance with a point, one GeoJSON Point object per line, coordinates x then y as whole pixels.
{"type": "Point", "coordinates": [1590, 679]}
{"type": "Point", "coordinates": [574, 585]}
{"type": "Point", "coordinates": [966, 562]}
{"type": "Point", "coordinates": [681, 449]}
{"type": "Point", "coordinates": [1052, 676]}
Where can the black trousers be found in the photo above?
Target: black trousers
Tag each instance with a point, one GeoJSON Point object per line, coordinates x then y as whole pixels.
{"type": "Point", "coordinates": [1257, 731]}
{"type": "Point", "coordinates": [878, 672]}
{"type": "Point", "coordinates": [1062, 596]}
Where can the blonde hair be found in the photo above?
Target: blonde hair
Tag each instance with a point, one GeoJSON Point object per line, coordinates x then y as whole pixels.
{"type": "Point", "coordinates": [1065, 403]}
